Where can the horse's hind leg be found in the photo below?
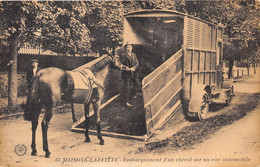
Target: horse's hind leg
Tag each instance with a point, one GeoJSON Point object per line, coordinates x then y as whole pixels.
{"type": "Point", "coordinates": [96, 105]}
{"type": "Point", "coordinates": [73, 113]}
{"type": "Point", "coordinates": [45, 125]}
{"type": "Point", "coordinates": [33, 145]}
{"type": "Point", "coordinates": [34, 122]}
{"type": "Point", "coordinates": [87, 119]}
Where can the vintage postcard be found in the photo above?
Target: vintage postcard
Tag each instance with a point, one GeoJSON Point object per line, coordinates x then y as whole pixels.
{"type": "Point", "coordinates": [129, 83]}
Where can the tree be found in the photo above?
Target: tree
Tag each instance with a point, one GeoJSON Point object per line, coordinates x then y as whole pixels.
{"type": "Point", "coordinates": [241, 25]}
{"type": "Point", "coordinates": [61, 28]}
{"type": "Point", "coordinates": [104, 19]}
{"type": "Point", "coordinates": [251, 27]}
{"type": "Point", "coordinates": [18, 24]}
{"type": "Point", "coordinates": [56, 25]}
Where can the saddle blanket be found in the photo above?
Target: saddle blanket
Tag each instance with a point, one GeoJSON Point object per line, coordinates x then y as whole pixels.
{"type": "Point", "coordinates": [84, 82]}
{"type": "Point", "coordinates": [81, 79]}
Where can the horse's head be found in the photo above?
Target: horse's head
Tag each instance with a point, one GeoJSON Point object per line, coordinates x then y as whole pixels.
{"type": "Point", "coordinates": [113, 63]}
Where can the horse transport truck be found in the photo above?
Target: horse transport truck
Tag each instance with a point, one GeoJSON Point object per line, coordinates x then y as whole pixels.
{"type": "Point", "coordinates": [181, 61]}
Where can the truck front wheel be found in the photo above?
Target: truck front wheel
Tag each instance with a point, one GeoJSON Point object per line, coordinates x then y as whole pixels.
{"type": "Point", "coordinates": [204, 107]}
{"type": "Point", "coordinates": [199, 104]}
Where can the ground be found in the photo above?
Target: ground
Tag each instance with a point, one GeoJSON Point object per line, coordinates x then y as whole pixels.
{"type": "Point", "coordinates": [229, 137]}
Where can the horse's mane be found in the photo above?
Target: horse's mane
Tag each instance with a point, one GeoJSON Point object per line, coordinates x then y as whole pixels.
{"type": "Point", "coordinates": [99, 65]}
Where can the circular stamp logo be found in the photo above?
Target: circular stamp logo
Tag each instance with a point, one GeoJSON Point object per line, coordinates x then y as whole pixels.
{"type": "Point", "coordinates": [20, 149]}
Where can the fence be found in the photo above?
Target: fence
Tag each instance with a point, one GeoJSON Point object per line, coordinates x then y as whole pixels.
{"type": "Point", "coordinates": [46, 58]}
{"type": "Point", "coordinates": [239, 72]}
{"type": "Point", "coordinates": [35, 51]}
{"type": "Point", "coordinates": [242, 72]}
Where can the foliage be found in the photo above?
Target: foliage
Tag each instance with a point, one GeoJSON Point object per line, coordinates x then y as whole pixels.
{"type": "Point", "coordinates": [83, 26]}
{"type": "Point", "coordinates": [61, 28]}
{"type": "Point", "coordinates": [18, 18]}
{"type": "Point", "coordinates": [103, 19]}
{"type": "Point", "coordinates": [79, 27]}
{"type": "Point", "coordinates": [18, 24]}
{"type": "Point", "coordinates": [240, 20]}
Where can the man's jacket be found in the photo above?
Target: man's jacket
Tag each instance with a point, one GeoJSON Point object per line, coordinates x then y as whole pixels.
{"type": "Point", "coordinates": [29, 74]}
{"type": "Point", "coordinates": [129, 61]}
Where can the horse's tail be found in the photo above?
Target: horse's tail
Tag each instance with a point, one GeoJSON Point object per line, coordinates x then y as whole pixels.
{"type": "Point", "coordinates": [33, 99]}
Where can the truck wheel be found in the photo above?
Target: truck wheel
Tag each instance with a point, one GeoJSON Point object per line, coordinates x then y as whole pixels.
{"type": "Point", "coordinates": [228, 102]}
{"type": "Point", "coordinates": [232, 93]}
{"type": "Point", "coordinates": [204, 107]}
{"type": "Point", "coordinates": [199, 106]}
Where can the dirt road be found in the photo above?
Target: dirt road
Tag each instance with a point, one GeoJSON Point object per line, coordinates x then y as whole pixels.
{"type": "Point", "coordinates": [230, 137]}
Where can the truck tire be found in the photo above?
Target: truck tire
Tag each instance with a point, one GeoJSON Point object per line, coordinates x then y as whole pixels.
{"type": "Point", "coordinates": [201, 106]}
{"type": "Point", "coordinates": [232, 91]}
{"type": "Point", "coordinates": [228, 102]}
{"type": "Point", "coordinates": [231, 94]}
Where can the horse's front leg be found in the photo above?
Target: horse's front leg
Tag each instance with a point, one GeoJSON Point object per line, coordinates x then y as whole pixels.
{"type": "Point", "coordinates": [87, 118]}
{"type": "Point", "coordinates": [45, 125]}
{"type": "Point", "coordinates": [96, 105]}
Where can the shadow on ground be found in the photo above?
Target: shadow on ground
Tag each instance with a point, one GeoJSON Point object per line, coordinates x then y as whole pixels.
{"type": "Point", "coordinates": [197, 132]}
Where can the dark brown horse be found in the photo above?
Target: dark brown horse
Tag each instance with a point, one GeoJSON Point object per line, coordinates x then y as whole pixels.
{"type": "Point", "coordinates": [47, 89]}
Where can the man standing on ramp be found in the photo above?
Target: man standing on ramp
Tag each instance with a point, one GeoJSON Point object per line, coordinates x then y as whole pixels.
{"type": "Point", "coordinates": [129, 64]}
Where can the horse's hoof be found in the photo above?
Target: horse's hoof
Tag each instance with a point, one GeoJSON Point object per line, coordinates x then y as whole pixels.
{"type": "Point", "coordinates": [47, 155]}
{"type": "Point", "coordinates": [34, 153]}
{"type": "Point", "coordinates": [87, 140]}
{"type": "Point", "coordinates": [74, 120]}
{"type": "Point", "coordinates": [102, 142]}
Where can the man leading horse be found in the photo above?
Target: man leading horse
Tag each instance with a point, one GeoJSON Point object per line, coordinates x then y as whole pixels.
{"type": "Point", "coordinates": [128, 63]}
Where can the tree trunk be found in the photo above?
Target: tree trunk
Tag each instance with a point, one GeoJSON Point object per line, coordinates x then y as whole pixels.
{"type": "Point", "coordinates": [12, 79]}
{"type": "Point", "coordinates": [254, 68]}
{"type": "Point", "coordinates": [230, 69]}
{"type": "Point", "coordinates": [248, 66]}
